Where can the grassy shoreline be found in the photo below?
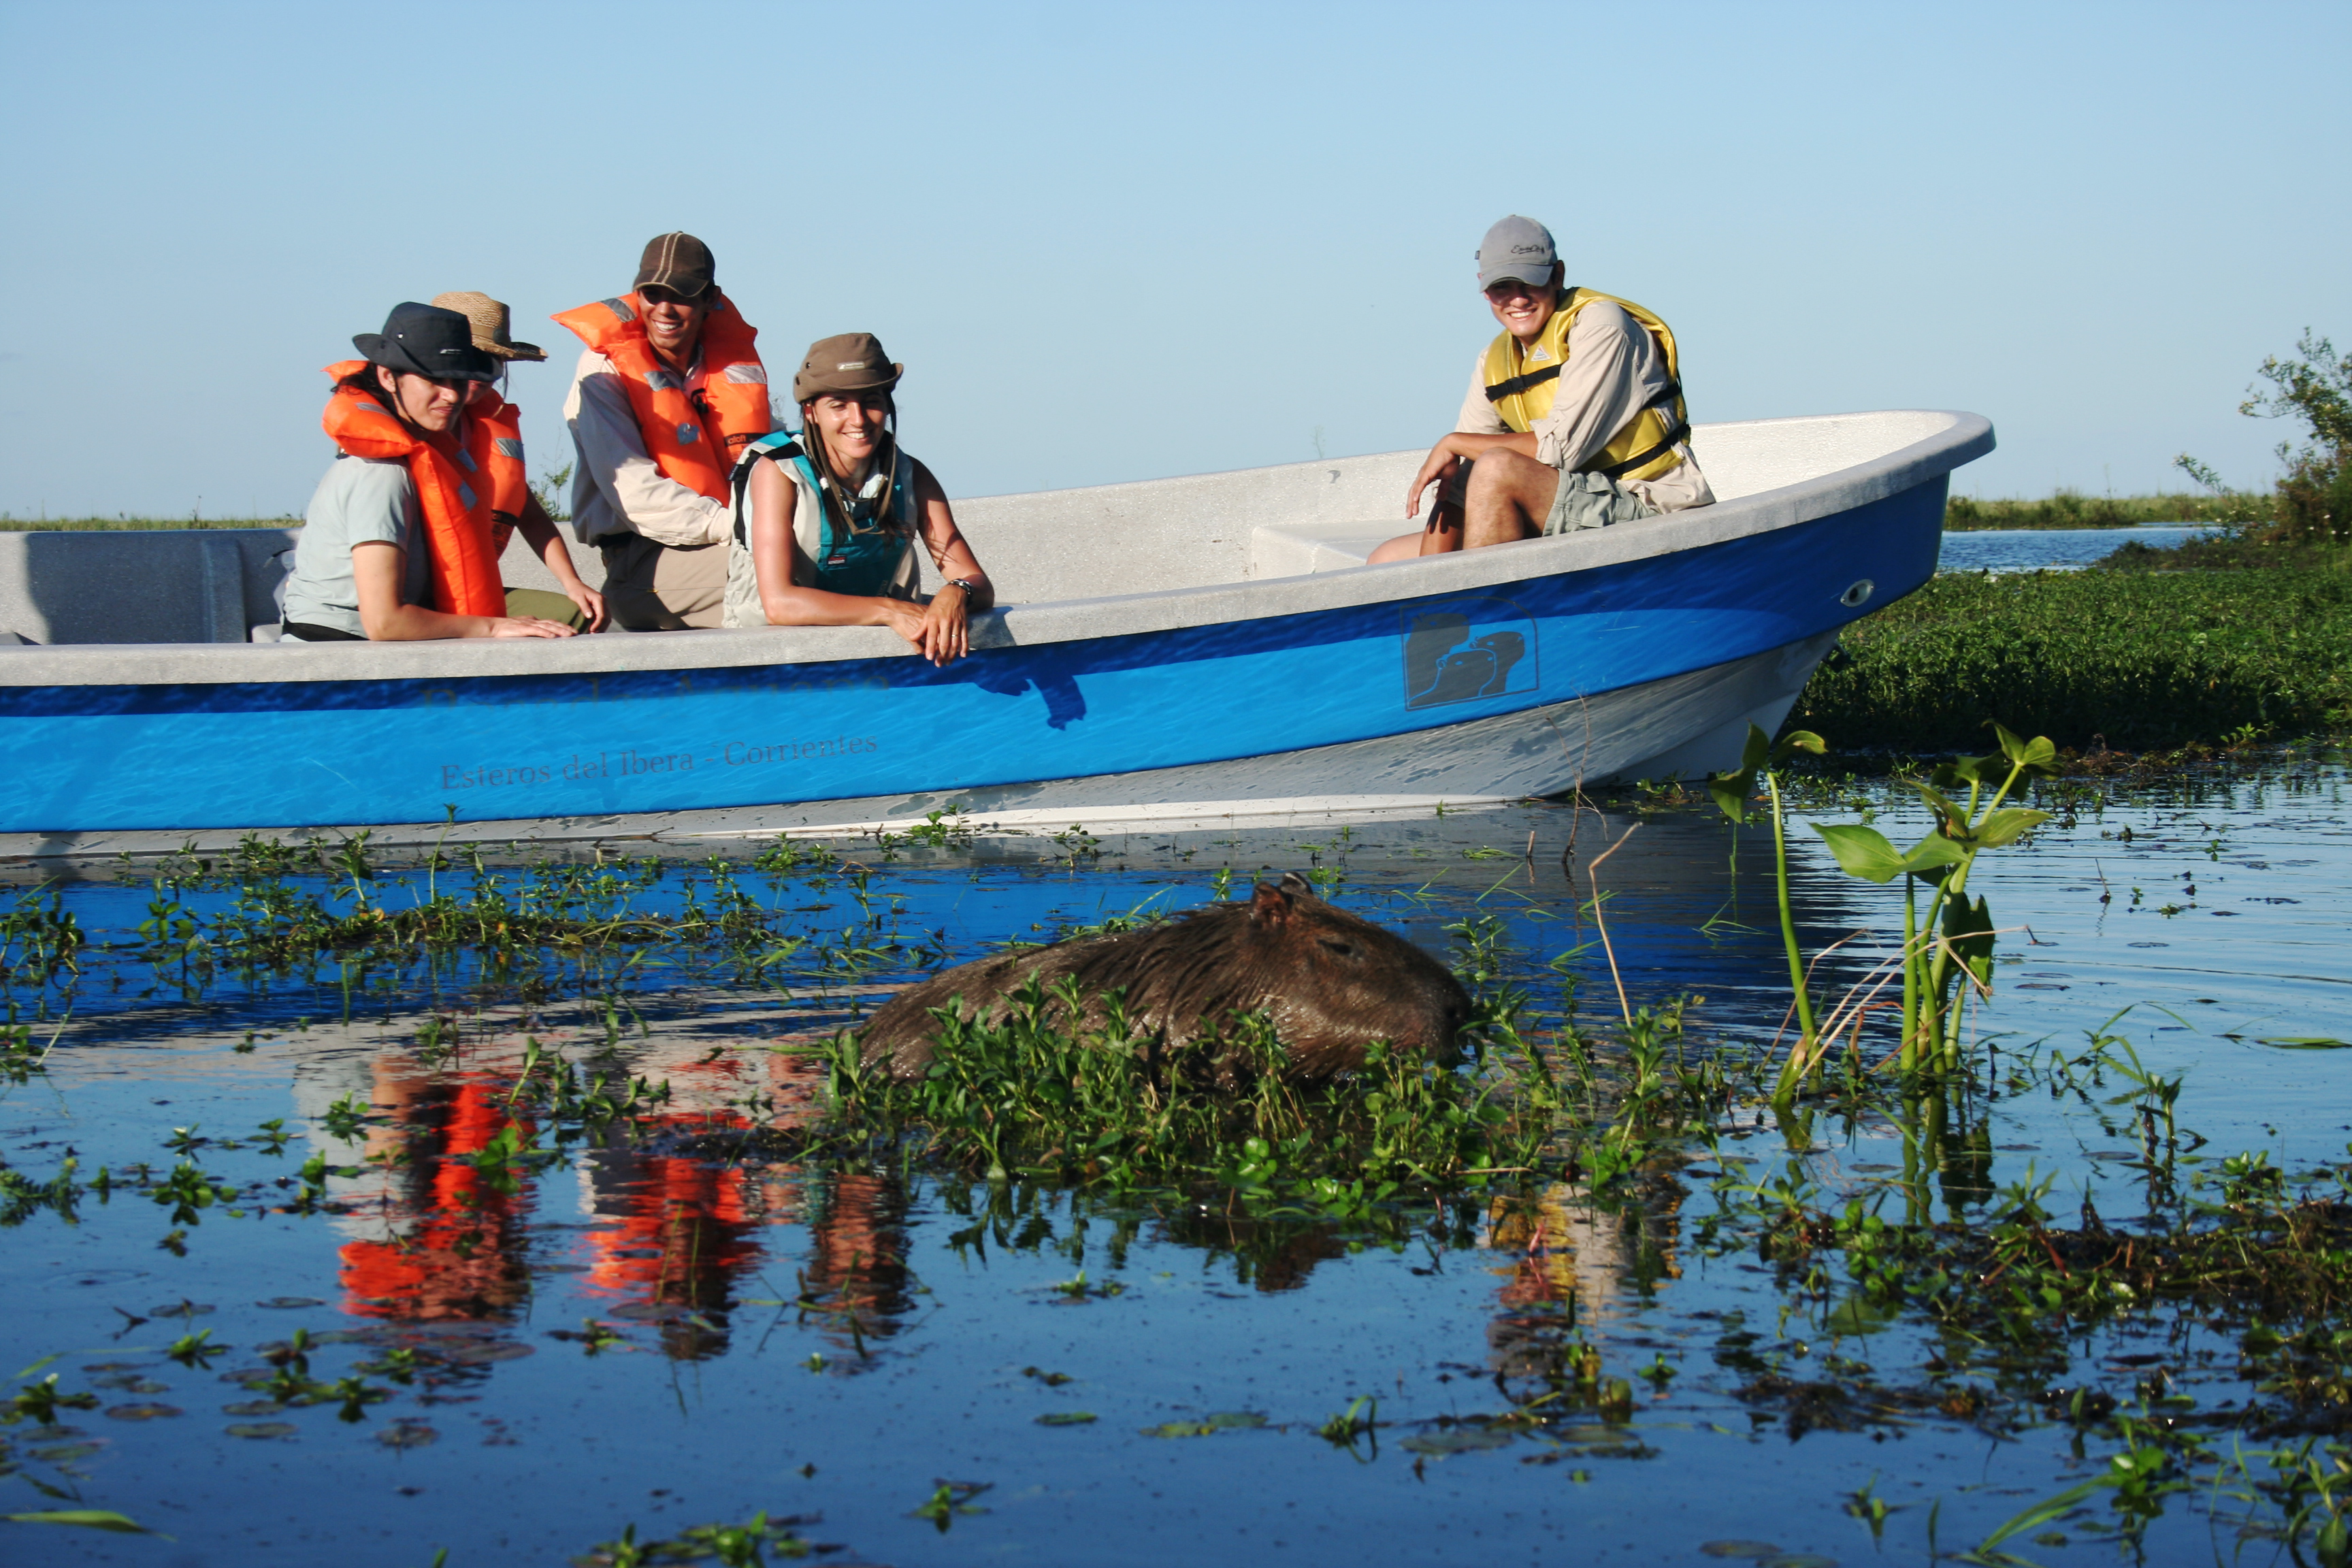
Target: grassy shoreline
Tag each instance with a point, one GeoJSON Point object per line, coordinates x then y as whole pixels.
{"type": "Point", "coordinates": [2213, 645]}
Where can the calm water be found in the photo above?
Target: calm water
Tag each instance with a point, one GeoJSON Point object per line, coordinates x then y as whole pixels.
{"type": "Point", "coordinates": [2222, 929]}
{"type": "Point", "coordinates": [2049, 548]}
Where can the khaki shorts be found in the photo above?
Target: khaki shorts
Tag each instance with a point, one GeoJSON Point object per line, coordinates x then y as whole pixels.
{"type": "Point", "coordinates": [1591, 500]}
{"type": "Point", "coordinates": [651, 587]}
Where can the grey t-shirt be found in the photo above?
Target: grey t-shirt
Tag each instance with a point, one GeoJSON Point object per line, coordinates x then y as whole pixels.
{"type": "Point", "coordinates": [362, 500]}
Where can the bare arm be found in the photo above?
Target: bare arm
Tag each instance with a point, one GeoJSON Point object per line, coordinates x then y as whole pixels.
{"type": "Point", "coordinates": [1444, 460]}
{"type": "Point", "coordinates": [376, 571]}
{"type": "Point", "coordinates": [538, 531]}
{"type": "Point", "coordinates": [937, 629]}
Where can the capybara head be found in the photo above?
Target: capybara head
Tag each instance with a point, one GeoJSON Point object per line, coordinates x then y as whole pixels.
{"type": "Point", "coordinates": [1330, 982]}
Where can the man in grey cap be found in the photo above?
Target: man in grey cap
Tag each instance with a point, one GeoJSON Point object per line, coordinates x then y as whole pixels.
{"type": "Point", "coordinates": [1575, 416]}
{"type": "Point", "coordinates": [668, 391]}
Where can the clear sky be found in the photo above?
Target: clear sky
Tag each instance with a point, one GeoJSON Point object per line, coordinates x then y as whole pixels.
{"type": "Point", "coordinates": [1116, 242]}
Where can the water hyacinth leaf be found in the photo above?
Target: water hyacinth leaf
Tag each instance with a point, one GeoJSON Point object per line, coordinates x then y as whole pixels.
{"type": "Point", "coordinates": [1458, 1440]}
{"type": "Point", "coordinates": [1757, 752]}
{"type": "Point", "coordinates": [2004, 826]}
{"type": "Point", "coordinates": [1797, 741]}
{"type": "Point", "coordinates": [1067, 1418]}
{"type": "Point", "coordinates": [262, 1429]}
{"type": "Point", "coordinates": [88, 1518]}
{"type": "Point", "coordinates": [1862, 851]}
{"type": "Point", "coordinates": [66, 1453]}
{"type": "Point", "coordinates": [1730, 792]}
{"type": "Point", "coordinates": [143, 1412]}
{"type": "Point", "coordinates": [1951, 821]}
{"type": "Point", "coordinates": [2037, 755]}
{"type": "Point", "coordinates": [1222, 1421]}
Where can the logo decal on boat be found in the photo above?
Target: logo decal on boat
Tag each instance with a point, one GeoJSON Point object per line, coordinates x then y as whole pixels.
{"type": "Point", "coordinates": [1458, 650]}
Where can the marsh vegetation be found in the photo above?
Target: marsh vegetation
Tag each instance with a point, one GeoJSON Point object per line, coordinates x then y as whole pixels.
{"type": "Point", "coordinates": [407, 1179]}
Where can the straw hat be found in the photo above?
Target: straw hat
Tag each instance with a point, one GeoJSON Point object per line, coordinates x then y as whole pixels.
{"type": "Point", "coordinates": [489, 318]}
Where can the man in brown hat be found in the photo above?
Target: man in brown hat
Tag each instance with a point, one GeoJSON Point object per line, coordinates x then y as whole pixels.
{"type": "Point", "coordinates": [494, 446]}
{"type": "Point", "coordinates": [667, 394]}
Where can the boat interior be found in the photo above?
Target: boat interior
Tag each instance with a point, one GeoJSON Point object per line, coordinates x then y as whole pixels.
{"type": "Point", "coordinates": [1050, 547]}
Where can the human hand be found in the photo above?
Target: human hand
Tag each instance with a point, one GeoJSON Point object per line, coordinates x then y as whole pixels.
{"type": "Point", "coordinates": [591, 603]}
{"type": "Point", "coordinates": [527, 627]}
{"type": "Point", "coordinates": [1440, 466]}
{"type": "Point", "coordinates": [947, 628]}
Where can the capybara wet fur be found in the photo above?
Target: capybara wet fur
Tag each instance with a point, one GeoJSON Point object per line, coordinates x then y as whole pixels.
{"type": "Point", "coordinates": [1331, 983]}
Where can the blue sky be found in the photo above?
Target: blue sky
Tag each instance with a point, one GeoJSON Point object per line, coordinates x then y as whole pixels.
{"type": "Point", "coordinates": [1117, 243]}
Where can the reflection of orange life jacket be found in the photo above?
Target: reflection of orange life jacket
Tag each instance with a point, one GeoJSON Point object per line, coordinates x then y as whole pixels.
{"type": "Point", "coordinates": [456, 505]}
{"type": "Point", "coordinates": [678, 429]}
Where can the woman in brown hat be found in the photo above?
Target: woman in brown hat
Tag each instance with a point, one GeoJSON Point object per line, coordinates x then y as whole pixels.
{"type": "Point", "coordinates": [496, 426]}
{"type": "Point", "coordinates": [826, 516]}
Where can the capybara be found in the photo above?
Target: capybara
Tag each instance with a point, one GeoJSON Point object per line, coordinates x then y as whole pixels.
{"type": "Point", "coordinates": [1331, 984]}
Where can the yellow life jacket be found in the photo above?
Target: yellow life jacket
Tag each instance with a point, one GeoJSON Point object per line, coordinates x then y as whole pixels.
{"type": "Point", "coordinates": [1521, 384]}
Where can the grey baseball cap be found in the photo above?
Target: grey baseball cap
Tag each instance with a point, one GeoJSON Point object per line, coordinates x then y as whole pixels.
{"type": "Point", "coordinates": [1516, 248]}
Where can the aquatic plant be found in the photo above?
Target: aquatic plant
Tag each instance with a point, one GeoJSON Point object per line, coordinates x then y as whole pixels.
{"type": "Point", "coordinates": [2093, 660]}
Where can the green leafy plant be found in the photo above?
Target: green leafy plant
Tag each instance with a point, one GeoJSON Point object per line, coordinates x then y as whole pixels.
{"type": "Point", "coordinates": [1734, 792]}
{"type": "Point", "coordinates": [1951, 944]}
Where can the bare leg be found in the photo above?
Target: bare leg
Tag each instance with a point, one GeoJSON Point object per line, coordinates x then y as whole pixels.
{"type": "Point", "coordinates": [1509, 497]}
{"type": "Point", "coordinates": [1442, 536]}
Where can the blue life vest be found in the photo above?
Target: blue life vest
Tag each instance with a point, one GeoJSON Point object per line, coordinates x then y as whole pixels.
{"type": "Point", "coordinates": [859, 554]}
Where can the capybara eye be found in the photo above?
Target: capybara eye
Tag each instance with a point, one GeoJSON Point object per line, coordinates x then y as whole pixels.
{"type": "Point", "coordinates": [1344, 949]}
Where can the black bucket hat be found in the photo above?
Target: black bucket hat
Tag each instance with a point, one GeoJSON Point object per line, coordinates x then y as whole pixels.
{"type": "Point", "coordinates": [424, 340]}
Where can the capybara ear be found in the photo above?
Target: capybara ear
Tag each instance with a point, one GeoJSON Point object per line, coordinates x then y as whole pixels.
{"type": "Point", "coordinates": [1270, 905]}
{"type": "Point", "coordinates": [1296, 886]}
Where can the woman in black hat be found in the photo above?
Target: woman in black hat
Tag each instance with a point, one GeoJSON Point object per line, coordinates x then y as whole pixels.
{"type": "Point", "coordinates": [396, 543]}
{"type": "Point", "coordinates": [827, 517]}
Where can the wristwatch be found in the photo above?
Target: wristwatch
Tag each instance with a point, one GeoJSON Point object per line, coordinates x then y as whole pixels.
{"type": "Point", "coordinates": [970, 589]}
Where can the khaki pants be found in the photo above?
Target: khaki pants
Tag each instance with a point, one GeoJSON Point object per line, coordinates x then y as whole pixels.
{"type": "Point", "coordinates": [651, 587]}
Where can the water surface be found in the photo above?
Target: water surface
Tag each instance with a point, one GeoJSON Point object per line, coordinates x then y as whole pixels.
{"type": "Point", "coordinates": [2214, 911]}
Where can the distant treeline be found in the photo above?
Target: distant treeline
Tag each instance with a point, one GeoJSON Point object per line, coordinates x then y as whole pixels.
{"type": "Point", "coordinates": [136, 524]}
{"type": "Point", "coordinates": [2073, 509]}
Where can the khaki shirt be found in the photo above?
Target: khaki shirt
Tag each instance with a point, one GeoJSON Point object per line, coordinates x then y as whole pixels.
{"type": "Point", "coordinates": [617, 487]}
{"type": "Point", "coordinates": [1615, 369]}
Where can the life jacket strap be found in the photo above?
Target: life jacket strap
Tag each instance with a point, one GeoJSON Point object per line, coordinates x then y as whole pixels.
{"type": "Point", "coordinates": [1518, 384]}
{"type": "Point", "coordinates": [1677, 429]}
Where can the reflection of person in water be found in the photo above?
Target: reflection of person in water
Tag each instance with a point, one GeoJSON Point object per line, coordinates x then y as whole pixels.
{"type": "Point", "coordinates": [460, 1254]}
{"type": "Point", "coordinates": [1571, 1264]}
{"type": "Point", "coordinates": [858, 1256]}
{"type": "Point", "coordinates": [683, 1231]}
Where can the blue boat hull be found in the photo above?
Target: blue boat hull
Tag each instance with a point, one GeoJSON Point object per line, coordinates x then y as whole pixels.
{"type": "Point", "coordinates": [197, 756]}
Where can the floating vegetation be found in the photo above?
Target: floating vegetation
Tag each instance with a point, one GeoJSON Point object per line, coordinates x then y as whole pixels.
{"type": "Point", "coordinates": [2132, 661]}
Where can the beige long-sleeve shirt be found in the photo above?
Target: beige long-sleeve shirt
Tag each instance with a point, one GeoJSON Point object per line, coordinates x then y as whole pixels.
{"type": "Point", "coordinates": [1615, 369]}
{"type": "Point", "coordinates": [617, 487]}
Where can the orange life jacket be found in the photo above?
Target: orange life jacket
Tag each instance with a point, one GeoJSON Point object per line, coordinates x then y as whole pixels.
{"type": "Point", "coordinates": [679, 434]}
{"type": "Point", "coordinates": [494, 448]}
{"type": "Point", "coordinates": [457, 506]}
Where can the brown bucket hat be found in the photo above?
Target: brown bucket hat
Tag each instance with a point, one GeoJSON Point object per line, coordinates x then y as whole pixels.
{"type": "Point", "coordinates": [490, 320]}
{"type": "Point", "coordinates": [850, 362]}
